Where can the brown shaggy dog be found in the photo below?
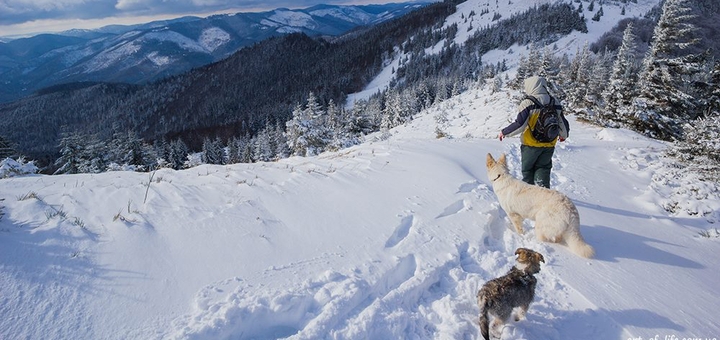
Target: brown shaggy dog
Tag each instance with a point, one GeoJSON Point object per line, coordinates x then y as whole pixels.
{"type": "Point", "coordinates": [498, 297]}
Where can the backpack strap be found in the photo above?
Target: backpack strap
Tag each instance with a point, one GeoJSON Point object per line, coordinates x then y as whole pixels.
{"type": "Point", "coordinates": [539, 105]}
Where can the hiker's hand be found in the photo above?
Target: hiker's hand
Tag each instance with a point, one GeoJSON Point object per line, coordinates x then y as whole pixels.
{"type": "Point", "coordinates": [561, 139]}
{"type": "Point", "coordinates": [501, 136]}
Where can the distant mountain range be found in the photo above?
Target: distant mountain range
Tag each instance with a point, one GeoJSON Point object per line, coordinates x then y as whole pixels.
{"type": "Point", "coordinates": [143, 53]}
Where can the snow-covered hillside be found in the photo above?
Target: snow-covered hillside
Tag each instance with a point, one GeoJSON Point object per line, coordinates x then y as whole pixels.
{"type": "Point", "coordinates": [390, 239]}
{"type": "Point", "coordinates": [386, 240]}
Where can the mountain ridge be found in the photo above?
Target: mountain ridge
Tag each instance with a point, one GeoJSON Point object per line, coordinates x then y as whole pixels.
{"type": "Point", "coordinates": [147, 52]}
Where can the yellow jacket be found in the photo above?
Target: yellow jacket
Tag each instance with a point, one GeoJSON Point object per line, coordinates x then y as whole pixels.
{"type": "Point", "coordinates": [528, 115]}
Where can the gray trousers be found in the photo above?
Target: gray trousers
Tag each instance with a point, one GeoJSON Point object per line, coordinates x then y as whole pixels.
{"type": "Point", "coordinates": [536, 164]}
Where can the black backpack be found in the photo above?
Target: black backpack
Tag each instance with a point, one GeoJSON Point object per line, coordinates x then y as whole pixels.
{"type": "Point", "coordinates": [547, 127]}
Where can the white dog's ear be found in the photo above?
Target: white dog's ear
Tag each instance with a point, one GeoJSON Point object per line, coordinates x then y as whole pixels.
{"type": "Point", "coordinates": [502, 160]}
{"type": "Point", "coordinates": [490, 160]}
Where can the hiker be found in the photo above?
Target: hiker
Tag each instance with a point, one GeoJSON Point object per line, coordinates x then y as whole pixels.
{"type": "Point", "coordinates": [537, 150]}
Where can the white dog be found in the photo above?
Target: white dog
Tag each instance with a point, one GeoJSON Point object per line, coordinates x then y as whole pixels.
{"type": "Point", "coordinates": [556, 217]}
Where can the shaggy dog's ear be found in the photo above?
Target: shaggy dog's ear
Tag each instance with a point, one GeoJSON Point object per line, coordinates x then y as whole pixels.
{"type": "Point", "coordinates": [527, 255]}
{"type": "Point", "coordinates": [490, 160]}
{"type": "Point", "coordinates": [502, 160]}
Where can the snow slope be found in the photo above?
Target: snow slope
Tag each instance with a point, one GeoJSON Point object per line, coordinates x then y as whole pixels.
{"type": "Point", "coordinates": [390, 239]}
{"type": "Point", "coordinates": [386, 240]}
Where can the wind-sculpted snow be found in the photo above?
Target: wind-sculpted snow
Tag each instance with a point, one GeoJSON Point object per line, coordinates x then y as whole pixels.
{"type": "Point", "coordinates": [390, 239]}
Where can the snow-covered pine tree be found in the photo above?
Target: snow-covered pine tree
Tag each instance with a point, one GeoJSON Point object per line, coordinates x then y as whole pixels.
{"type": "Point", "coordinates": [95, 156]}
{"type": "Point", "coordinates": [213, 151]}
{"type": "Point", "coordinates": [664, 103]}
{"type": "Point", "coordinates": [582, 68]}
{"type": "Point", "coordinates": [335, 125]}
{"type": "Point", "coordinates": [135, 152]}
{"type": "Point", "coordinates": [523, 71]}
{"type": "Point", "coordinates": [599, 76]}
{"type": "Point", "coordinates": [161, 148]}
{"type": "Point", "coordinates": [234, 145]}
{"type": "Point", "coordinates": [700, 146]}
{"type": "Point", "coordinates": [548, 65]}
{"type": "Point", "coordinates": [297, 130]}
{"type": "Point", "coordinates": [359, 120]}
{"type": "Point", "coordinates": [262, 148]}
{"type": "Point", "coordinates": [281, 146]}
{"type": "Point", "coordinates": [72, 148]}
{"type": "Point", "coordinates": [247, 152]}
{"type": "Point", "coordinates": [714, 100]}
{"type": "Point", "coordinates": [534, 59]}
{"type": "Point", "coordinates": [306, 132]}
{"type": "Point", "coordinates": [393, 111]}
{"type": "Point", "coordinates": [497, 83]}
{"type": "Point", "coordinates": [178, 154]}
{"type": "Point", "coordinates": [318, 135]}
{"type": "Point", "coordinates": [621, 88]}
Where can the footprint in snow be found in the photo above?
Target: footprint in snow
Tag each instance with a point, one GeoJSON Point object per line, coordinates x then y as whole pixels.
{"type": "Point", "coordinates": [401, 231]}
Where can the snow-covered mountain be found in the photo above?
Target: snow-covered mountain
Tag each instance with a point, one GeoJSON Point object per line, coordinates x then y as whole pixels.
{"type": "Point", "coordinates": [386, 240]}
{"type": "Point", "coordinates": [141, 53]}
{"type": "Point", "coordinates": [389, 239]}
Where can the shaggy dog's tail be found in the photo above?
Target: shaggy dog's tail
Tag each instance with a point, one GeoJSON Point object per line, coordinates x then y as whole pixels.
{"type": "Point", "coordinates": [484, 329]}
{"type": "Point", "coordinates": [578, 246]}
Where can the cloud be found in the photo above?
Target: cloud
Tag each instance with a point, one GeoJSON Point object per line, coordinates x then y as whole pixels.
{"type": "Point", "coordinates": [19, 11]}
{"type": "Point", "coordinates": [19, 16]}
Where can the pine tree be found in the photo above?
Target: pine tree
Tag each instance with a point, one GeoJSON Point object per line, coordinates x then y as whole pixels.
{"type": "Point", "coordinates": [497, 84]}
{"type": "Point", "coordinates": [178, 154]}
{"type": "Point", "coordinates": [213, 151]}
{"type": "Point", "coordinates": [523, 71]}
{"type": "Point", "coordinates": [262, 150]}
{"type": "Point", "coordinates": [6, 150]}
{"type": "Point", "coordinates": [714, 100]}
{"type": "Point", "coordinates": [72, 150]}
{"type": "Point", "coordinates": [664, 102]}
{"type": "Point", "coordinates": [162, 151]}
{"type": "Point", "coordinates": [281, 146]}
{"type": "Point", "coordinates": [319, 136]}
{"type": "Point", "coordinates": [336, 126]}
{"type": "Point", "coordinates": [95, 156]}
{"type": "Point", "coordinates": [533, 60]}
{"type": "Point", "coordinates": [234, 147]}
{"type": "Point", "coordinates": [136, 152]}
{"type": "Point", "coordinates": [393, 114]}
{"type": "Point", "coordinates": [700, 146]}
{"type": "Point", "coordinates": [297, 130]}
{"type": "Point", "coordinates": [599, 76]}
{"type": "Point", "coordinates": [578, 85]}
{"type": "Point", "coordinates": [621, 86]}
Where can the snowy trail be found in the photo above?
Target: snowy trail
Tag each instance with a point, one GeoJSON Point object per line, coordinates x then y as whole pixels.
{"type": "Point", "coordinates": [434, 271]}
{"type": "Point", "coordinates": [636, 240]}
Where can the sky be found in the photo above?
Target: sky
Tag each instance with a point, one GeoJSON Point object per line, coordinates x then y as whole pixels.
{"type": "Point", "coordinates": [24, 17]}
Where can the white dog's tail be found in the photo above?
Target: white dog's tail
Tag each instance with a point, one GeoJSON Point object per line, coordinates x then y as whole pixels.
{"type": "Point", "coordinates": [578, 246]}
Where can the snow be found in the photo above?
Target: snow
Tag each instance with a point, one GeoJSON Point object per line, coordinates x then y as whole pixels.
{"type": "Point", "coordinates": [158, 59]}
{"type": "Point", "coordinates": [390, 239]}
{"type": "Point", "coordinates": [387, 239]}
{"type": "Point", "coordinates": [109, 57]}
{"type": "Point", "coordinates": [212, 38]}
{"type": "Point", "coordinates": [177, 38]}
{"type": "Point", "coordinates": [350, 14]}
{"type": "Point", "coordinates": [291, 18]}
